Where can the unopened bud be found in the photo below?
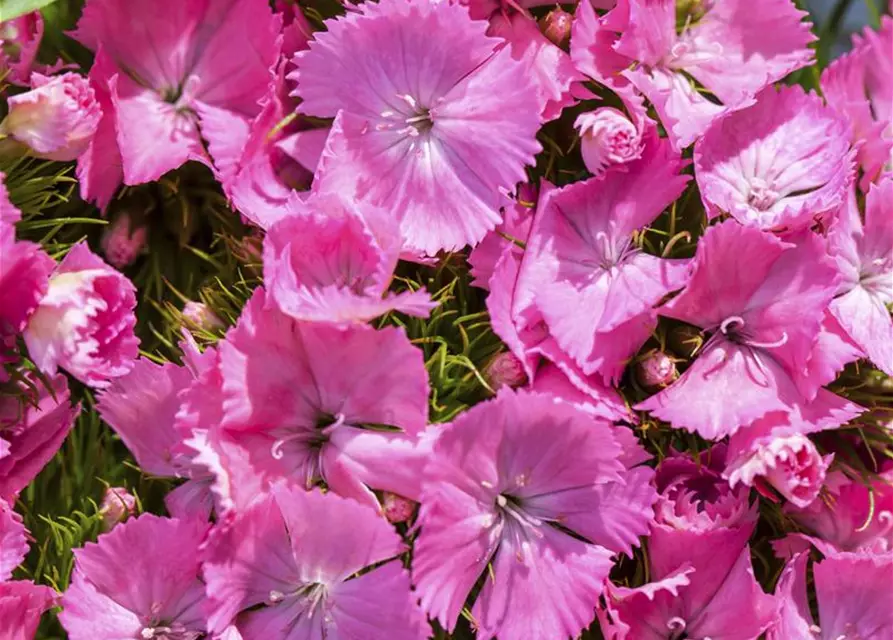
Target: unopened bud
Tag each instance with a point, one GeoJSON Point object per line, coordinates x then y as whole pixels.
{"type": "Point", "coordinates": [117, 504]}
{"type": "Point", "coordinates": [607, 137]}
{"type": "Point", "coordinates": [505, 370]}
{"type": "Point", "coordinates": [200, 315]}
{"type": "Point", "coordinates": [656, 370]}
{"type": "Point", "coordinates": [122, 241]}
{"type": "Point", "coordinates": [556, 26]}
{"type": "Point", "coordinates": [396, 508]}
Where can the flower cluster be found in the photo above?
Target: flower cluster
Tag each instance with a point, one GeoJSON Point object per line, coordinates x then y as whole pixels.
{"type": "Point", "coordinates": [679, 310]}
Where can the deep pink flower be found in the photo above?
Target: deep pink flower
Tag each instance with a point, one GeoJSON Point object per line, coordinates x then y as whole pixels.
{"type": "Point", "coordinates": [179, 72]}
{"type": "Point", "coordinates": [764, 300]}
{"type": "Point", "coordinates": [56, 119]}
{"type": "Point", "coordinates": [864, 255]}
{"type": "Point", "coordinates": [21, 604]}
{"type": "Point", "coordinates": [333, 261]}
{"type": "Point", "coordinates": [852, 598]}
{"type": "Point", "coordinates": [30, 435]}
{"type": "Point", "coordinates": [85, 322]}
{"type": "Point", "coordinates": [424, 132]}
{"type": "Point", "coordinates": [310, 402]}
{"type": "Point", "coordinates": [608, 137]}
{"type": "Point", "coordinates": [13, 537]}
{"type": "Point", "coordinates": [859, 85]}
{"type": "Point", "coordinates": [593, 288]}
{"type": "Point", "coordinates": [286, 569]}
{"type": "Point", "coordinates": [500, 477]}
{"type": "Point", "coordinates": [734, 50]}
{"type": "Point", "coordinates": [140, 580]}
{"type": "Point", "coordinates": [781, 165]}
{"type": "Point", "coordinates": [19, 41]}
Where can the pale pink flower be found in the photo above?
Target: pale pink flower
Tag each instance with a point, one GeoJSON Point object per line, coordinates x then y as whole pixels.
{"type": "Point", "coordinates": [851, 595]}
{"type": "Point", "coordinates": [864, 255]}
{"type": "Point", "coordinates": [608, 137]}
{"type": "Point", "coordinates": [500, 478]}
{"type": "Point", "coordinates": [734, 50]}
{"type": "Point", "coordinates": [117, 505]}
{"type": "Point", "coordinates": [140, 580]}
{"type": "Point", "coordinates": [424, 133]}
{"type": "Point", "coordinates": [13, 538]}
{"type": "Point", "coordinates": [31, 434]}
{"type": "Point", "coordinates": [859, 85]}
{"type": "Point", "coordinates": [176, 72]}
{"type": "Point", "coordinates": [123, 240]}
{"type": "Point", "coordinates": [56, 119]}
{"type": "Point", "coordinates": [764, 300]}
{"type": "Point", "coordinates": [85, 322]}
{"type": "Point", "coordinates": [330, 260]}
{"type": "Point", "coordinates": [22, 603]}
{"type": "Point", "coordinates": [593, 288]}
{"type": "Point", "coordinates": [286, 569]}
{"type": "Point", "coordinates": [781, 165]}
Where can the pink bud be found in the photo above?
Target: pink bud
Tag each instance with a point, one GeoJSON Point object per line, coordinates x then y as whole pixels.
{"type": "Point", "coordinates": [56, 119]}
{"type": "Point", "coordinates": [396, 508]}
{"type": "Point", "coordinates": [505, 370]}
{"type": "Point", "coordinates": [656, 370]}
{"type": "Point", "coordinates": [607, 137]}
{"type": "Point", "coordinates": [122, 241]}
{"type": "Point", "coordinates": [117, 504]}
{"type": "Point", "coordinates": [200, 315]}
{"type": "Point", "coordinates": [556, 26]}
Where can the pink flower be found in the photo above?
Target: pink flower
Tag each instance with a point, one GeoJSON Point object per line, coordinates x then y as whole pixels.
{"type": "Point", "coordinates": [851, 594]}
{"type": "Point", "coordinates": [608, 137]}
{"type": "Point", "coordinates": [177, 73]}
{"type": "Point", "coordinates": [30, 435]}
{"type": "Point", "coordinates": [859, 85]}
{"type": "Point", "coordinates": [56, 119]}
{"type": "Point", "coordinates": [117, 504]}
{"type": "Point", "coordinates": [780, 165]}
{"type": "Point", "coordinates": [21, 604]}
{"type": "Point", "coordinates": [501, 476]}
{"type": "Point", "coordinates": [424, 133]}
{"type": "Point", "coordinates": [142, 408]}
{"type": "Point", "coordinates": [333, 261]}
{"type": "Point", "coordinates": [310, 402]}
{"type": "Point", "coordinates": [140, 580]}
{"type": "Point", "coordinates": [764, 300]}
{"type": "Point", "coordinates": [791, 464]}
{"type": "Point", "coordinates": [19, 41]}
{"type": "Point", "coordinates": [85, 322]}
{"type": "Point", "coordinates": [123, 240]}
{"type": "Point", "coordinates": [285, 569]}
{"type": "Point", "coordinates": [512, 233]}
{"type": "Point", "coordinates": [864, 255]}
{"type": "Point", "coordinates": [13, 538]}
{"type": "Point", "coordinates": [593, 288]}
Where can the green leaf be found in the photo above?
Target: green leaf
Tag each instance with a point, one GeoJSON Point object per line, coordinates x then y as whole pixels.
{"type": "Point", "coordinates": [10, 9]}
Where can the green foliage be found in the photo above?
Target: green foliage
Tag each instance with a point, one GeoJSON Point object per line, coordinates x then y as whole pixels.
{"type": "Point", "coordinates": [10, 9]}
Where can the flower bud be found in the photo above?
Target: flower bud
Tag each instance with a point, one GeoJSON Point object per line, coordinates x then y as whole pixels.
{"type": "Point", "coordinates": [117, 505]}
{"type": "Point", "coordinates": [556, 26]}
{"type": "Point", "coordinates": [56, 119]}
{"type": "Point", "coordinates": [85, 322]}
{"type": "Point", "coordinates": [505, 370]}
{"type": "Point", "coordinates": [656, 370]}
{"type": "Point", "coordinates": [396, 508]}
{"type": "Point", "coordinates": [607, 137]}
{"type": "Point", "coordinates": [200, 315]}
{"type": "Point", "coordinates": [122, 241]}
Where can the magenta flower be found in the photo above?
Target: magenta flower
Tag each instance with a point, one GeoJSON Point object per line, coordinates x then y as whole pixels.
{"type": "Point", "coordinates": [21, 604]}
{"type": "Point", "coordinates": [287, 568]}
{"type": "Point", "coordinates": [864, 255]}
{"type": "Point", "coordinates": [852, 596]}
{"type": "Point", "coordinates": [781, 165]}
{"type": "Point", "coordinates": [859, 85]}
{"type": "Point", "coordinates": [19, 41]}
{"type": "Point", "coordinates": [13, 537]}
{"type": "Point", "coordinates": [500, 479]}
{"type": "Point", "coordinates": [140, 580]}
{"type": "Point", "coordinates": [734, 49]}
{"type": "Point", "coordinates": [513, 231]}
{"type": "Point", "coordinates": [765, 320]}
{"type": "Point", "coordinates": [179, 72]}
{"type": "Point", "coordinates": [425, 133]}
{"type": "Point", "coordinates": [594, 289]}
{"type": "Point", "coordinates": [85, 322]}
{"type": "Point", "coordinates": [30, 435]}
{"type": "Point", "coordinates": [608, 137]}
{"type": "Point", "coordinates": [123, 240]}
{"type": "Point", "coordinates": [333, 261]}
{"type": "Point", "coordinates": [311, 402]}
{"type": "Point", "coordinates": [56, 119]}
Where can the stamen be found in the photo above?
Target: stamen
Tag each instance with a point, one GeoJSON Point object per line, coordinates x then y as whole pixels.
{"type": "Point", "coordinates": [770, 345]}
{"type": "Point", "coordinates": [732, 322]}
{"type": "Point", "coordinates": [676, 624]}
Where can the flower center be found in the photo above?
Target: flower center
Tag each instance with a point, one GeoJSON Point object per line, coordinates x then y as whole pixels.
{"type": "Point", "coordinates": [413, 120]}
{"type": "Point", "coordinates": [762, 195]}
{"type": "Point", "coordinates": [168, 631]}
{"type": "Point", "coordinates": [733, 329]}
